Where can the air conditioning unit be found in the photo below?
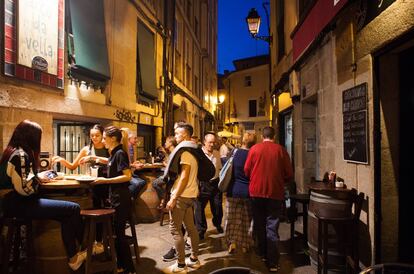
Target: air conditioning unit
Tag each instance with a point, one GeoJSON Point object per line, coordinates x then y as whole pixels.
{"type": "Point", "coordinates": [294, 84]}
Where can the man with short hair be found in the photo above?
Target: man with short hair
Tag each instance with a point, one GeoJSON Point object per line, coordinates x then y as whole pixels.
{"type": "Point", "coordinates": [183, 193]}
{"type": "Point", "coordinates": [269, 168]}
{"type": "Point", "coordinates": [132, 142]}
{"type": "Point", "coordinates": [209, 191]}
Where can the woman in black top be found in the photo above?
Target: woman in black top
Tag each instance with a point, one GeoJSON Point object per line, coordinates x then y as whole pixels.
{"type": "Point", "coordinates": [119, 198]}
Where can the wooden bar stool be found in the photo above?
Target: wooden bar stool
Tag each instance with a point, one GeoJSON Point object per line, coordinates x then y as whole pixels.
{"type": "Point", "coordinates": [13, 244]}
{"type": "Point", "coordinates": [93, 217]}
{"type": "Point", "coordinates": [132, 240]}
{"type": "Point", "coordinates": [350, 232]}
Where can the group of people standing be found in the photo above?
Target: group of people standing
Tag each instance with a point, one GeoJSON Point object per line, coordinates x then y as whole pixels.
{"type": "Point", "coordinates": [254, 197]}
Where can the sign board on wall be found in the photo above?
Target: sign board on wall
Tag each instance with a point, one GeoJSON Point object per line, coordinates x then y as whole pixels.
{"type": "Point", "coordinates": [355, 137]}
{"type": "Point", "coordinates": [38, 33]}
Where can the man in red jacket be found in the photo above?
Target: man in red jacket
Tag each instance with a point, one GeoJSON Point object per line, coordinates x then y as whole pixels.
{"type": "Point", "coordinates": [269, 168]}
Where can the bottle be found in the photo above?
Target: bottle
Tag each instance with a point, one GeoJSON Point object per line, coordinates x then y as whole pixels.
{"type": "Point", "coordinates": [151, 158]}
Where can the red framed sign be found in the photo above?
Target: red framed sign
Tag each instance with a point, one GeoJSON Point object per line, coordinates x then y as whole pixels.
{"type": "Point", "coordinates": [34, 41]}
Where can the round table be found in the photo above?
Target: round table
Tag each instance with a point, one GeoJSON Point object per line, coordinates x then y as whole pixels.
{"type": "Point", "coordinates": [50, 254]}
{"type": "Point", "coordinates": [326, 200]}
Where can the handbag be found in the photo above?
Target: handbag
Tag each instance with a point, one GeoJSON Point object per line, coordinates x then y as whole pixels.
{"type": "Point", "coordinates": [226, 173]}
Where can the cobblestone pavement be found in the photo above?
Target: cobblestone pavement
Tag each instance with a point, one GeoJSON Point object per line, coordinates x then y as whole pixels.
{"type": "Point", "coordinates": [155, 240]}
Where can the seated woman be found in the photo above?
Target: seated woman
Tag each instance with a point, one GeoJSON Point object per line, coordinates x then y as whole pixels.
{"type": "Point", "coordinates": [118, 195]}
{"type": "Point", "coordinates": [18, 173]}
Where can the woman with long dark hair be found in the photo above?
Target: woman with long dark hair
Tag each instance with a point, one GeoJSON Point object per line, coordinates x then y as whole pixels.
{"type": "Point", "coordinates": [19, 180]}
{"type": "Point", "coordinates": [119, 197]}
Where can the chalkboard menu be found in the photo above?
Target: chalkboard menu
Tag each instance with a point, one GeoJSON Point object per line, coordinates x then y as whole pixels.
{"type": "Point", "coordinates": [354, 109]}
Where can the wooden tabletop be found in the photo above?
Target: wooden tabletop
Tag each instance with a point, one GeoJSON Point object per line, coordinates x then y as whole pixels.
{"type": "Point", "coordinates": [63, 184]}
{"type": "Point", "coordinates": [320, 186]}
{"type": "Point", "coordinates": [151, 166]}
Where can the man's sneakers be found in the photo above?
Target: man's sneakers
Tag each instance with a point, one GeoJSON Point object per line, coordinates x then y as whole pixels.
{"type": "Point", "coordinates": [175, 268]}
{"type": "Point", "coordinates": [98, 248]}
{"type": "Point", "coordinates": [274, 268]}
{"type": "Point", "coordinates": [171, 255]}
{"type": "Point", "coordinates": [194, 264]}
{"type": "Point", "coordinates": [80, 258]}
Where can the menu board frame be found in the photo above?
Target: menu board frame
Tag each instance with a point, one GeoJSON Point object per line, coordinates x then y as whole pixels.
{"type": "Point", "coordinates": [355, 124]}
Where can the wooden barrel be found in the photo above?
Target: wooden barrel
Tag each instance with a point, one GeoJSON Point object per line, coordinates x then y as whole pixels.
{"type": "Point", "coordinates": [146, 204]}
{"type": "Point", "coordinates": [50, 253]}
{"type": "Point", "coordinates": [329, 203]}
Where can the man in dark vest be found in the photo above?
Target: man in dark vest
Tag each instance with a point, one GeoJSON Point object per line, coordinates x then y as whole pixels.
{"type": "Point", "coordinates": [209, 191]}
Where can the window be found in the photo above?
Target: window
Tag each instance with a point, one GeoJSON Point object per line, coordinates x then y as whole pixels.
{"type": "Point", "coordinates": [177, 69]}
{"type": "Point", "coordinates": [87, 51]}
{"type": "Point", "coordinates": [146, 73]}
{"type": "Point", "coordinates": [280, 15]}
{"type": "Point", "coordinates": [188, 76]}
{"type": "Point", "coordinates": [189, 8]}
{"type": "Point", "coordinates": [70, 139]}
{"type": "Point", "coordinates": [252, 108]}
{"type": "Point", "coordinates": [196, 27]}
{"type": "Point", "coordinates": [196, 89]}
{"type": "Point", "coordinates": [247, 81]}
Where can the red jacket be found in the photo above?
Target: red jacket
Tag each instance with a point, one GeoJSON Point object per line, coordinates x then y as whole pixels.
{"type": "Point", "coordinates": [269, 168]}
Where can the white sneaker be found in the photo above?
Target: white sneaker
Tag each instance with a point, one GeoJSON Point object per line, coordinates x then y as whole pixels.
{"type": "Point", "coordinates": [80, 258]}
{"type": "Point", "coordinates": [175, 269]}
{"type": "Point", "coordinates": [192, 264]}
{"type": "Point", "coordinates": [98, 248]}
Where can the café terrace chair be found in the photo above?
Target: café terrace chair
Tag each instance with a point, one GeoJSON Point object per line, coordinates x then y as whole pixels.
{"type": "Point", "coordinates": [386, 268]}
{"type": "Point", "coordinates": [292, 212]}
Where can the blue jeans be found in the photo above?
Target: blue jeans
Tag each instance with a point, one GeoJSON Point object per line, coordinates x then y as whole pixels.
{"type": "Point", "coordinates": [265, 213]}
{"type": "Point", "coordinates": [136, 185]}
{"type": "Point", "coordinates": [159, 186]}
{"type": "Point", "coordinates": [33, 207]}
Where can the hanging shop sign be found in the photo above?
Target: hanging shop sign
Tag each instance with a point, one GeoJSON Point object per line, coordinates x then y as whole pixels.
{"type": "Point", "coordinates": [38, 33]}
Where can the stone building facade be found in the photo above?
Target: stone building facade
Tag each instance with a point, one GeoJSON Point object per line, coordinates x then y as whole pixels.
{"type": "Point", "coordinates": [115, 66]}
{"type": "Point", "coordinates": [356, 58]}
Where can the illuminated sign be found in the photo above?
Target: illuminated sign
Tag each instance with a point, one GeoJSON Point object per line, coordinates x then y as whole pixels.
{"type": "Point", "coordinates": [38, 34]}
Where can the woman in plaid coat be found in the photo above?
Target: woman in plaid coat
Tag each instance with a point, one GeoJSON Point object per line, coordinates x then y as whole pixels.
{"type": "Point", "coordinates": [238, 210]}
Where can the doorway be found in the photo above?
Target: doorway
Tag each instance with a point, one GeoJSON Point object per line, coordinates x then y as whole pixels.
{"type": "Point", "coordinates": [394, 116]}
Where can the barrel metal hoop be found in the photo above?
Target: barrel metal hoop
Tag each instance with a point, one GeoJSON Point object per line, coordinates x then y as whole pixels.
{"type": "Point", "coordinates": [329, 201]}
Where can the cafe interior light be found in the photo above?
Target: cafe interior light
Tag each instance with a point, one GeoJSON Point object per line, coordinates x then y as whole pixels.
{"type": "Point", "coordinates": [221, 98]}
{"type": "Point", "coordinates": [253, 22]}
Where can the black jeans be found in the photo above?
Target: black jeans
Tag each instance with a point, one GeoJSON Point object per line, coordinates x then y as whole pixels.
{"type": "Point", "coordinates": [215, 197]}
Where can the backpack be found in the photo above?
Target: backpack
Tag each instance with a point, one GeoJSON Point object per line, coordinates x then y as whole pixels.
{"type": "Point", "coordinates": [206, 169]}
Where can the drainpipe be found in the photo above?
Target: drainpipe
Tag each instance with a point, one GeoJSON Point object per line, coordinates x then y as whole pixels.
{"type": "Point", "coordinates": [168, 62]}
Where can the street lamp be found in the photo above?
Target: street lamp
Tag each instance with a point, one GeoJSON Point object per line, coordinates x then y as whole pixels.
{"type": "Point", "coordinates": [253, 23]}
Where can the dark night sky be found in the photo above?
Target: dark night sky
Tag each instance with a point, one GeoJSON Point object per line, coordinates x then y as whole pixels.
{"type": "Point", "coordinates": [234, 40]}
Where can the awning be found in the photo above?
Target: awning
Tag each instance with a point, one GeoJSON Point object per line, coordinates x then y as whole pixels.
{"type": "Point", "coordinates": [87, 41]}
{"type": "Point", "coordinates": [318, 18]}
{"type": "Point", "coordinates": [228, 134]}
{"type": "Point", "coordinates": [146, 80]}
